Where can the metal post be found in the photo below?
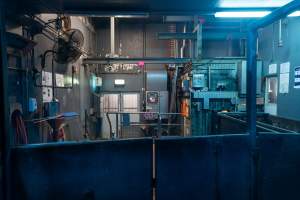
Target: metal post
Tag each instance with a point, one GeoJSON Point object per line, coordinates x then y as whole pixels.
{"type": "Point", "coordinates": [251, 85]}
{"type": "Point", "coordinates": [251, 107]}
{"type": "Point", "coordinates": [112, 36]}
{"type": "Point", "coordinates": [117, 126]}
{"type": "Point", "coordinates": [251, 82]}
{"type": "Point", "coordinates": [4, 122]}
{"type": "Point", "coordinates": [159, 125]}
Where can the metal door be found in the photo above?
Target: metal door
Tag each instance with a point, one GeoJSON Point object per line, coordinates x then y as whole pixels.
{"type": "Point", "coordinates": [118, 103]}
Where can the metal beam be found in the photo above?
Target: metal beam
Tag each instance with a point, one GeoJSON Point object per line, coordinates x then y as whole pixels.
{"type": "Point", "coordinates": [206, 36]}
{"type": "Point", "coordinates": [89, 61]}
{"type": "Point", "coordinates": [251, 108]}
{"type": "Point", "coordinates": [177, 36]}
{"type": "Point", "coordinates": [251, 82]}
{"type": "Point", "coordinates": [224, 35]}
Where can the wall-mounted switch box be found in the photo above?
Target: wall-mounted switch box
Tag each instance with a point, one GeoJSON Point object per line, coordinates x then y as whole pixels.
{"type": "Point", "coordinates": [32, 105]}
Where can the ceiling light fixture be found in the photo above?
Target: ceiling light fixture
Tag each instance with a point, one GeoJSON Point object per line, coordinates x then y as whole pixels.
{"type": "Point", "coordinates": [242, 14]}
{"type": "Point", "coordinates": [295, 14]}
{"type": "Point", "coordinates": [252, 3]}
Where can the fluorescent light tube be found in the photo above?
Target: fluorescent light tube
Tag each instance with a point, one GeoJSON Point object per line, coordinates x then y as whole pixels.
{"type": "Point", "coordinates": [295, 14]}
{"type": "Point", "coordinates": [242, 14]}
{"type": "Point", "coordinates": [252, 3]}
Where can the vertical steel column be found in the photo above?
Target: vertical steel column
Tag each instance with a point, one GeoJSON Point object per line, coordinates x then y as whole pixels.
{"type": "Point", "coordinates": [117, 126]}
{"type": "Point", "coordinates": [4, 122]}
{"type": "Point", "coordinates": [251, 82]}
{"type": "Point", "coordinates": [112, 36]}
{"type": "Point", "coordinates": [251, 107]}
{"type": "Point", "coordinates": [251, 85]}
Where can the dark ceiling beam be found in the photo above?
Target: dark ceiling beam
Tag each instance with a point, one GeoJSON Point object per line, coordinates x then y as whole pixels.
{"type": "Point", "coordinates": [177, 36]}
{"type": "Point", "coordinates": [206, 36]}
{"type": "Point", "coordinates": [114, 7]}
{"type": "Point", "coordinates": [91, 61]}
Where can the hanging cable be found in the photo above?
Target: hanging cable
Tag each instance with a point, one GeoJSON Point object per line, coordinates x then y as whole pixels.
{"type": "Point", "coordinates": [19, 126]}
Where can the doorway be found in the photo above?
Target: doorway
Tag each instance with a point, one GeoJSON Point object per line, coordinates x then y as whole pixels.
{"type": "Point", "coordinates": [118, 102]}
{"type": "Point", "coordinates": [271, 95]}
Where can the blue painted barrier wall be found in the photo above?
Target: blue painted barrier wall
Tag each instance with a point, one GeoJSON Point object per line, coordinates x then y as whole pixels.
{"type": "Point", "coordinates": [185, 168]}
{"type": "Point", "coordinates": [110, 170]}
{"type": "Point", "coordinates": [203, 168]}
{"type": "Point", "coordinates": [209, 168]}
{"type": "Point", "coordinates": [279, 176]}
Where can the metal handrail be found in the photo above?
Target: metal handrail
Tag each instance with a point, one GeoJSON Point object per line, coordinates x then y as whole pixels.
{"type": "Point", "coordinates": [261, 125]}
{"type": "Point", "coordinates": [159, 113]}
{"type": "Point", "coordinates": [159, 124]}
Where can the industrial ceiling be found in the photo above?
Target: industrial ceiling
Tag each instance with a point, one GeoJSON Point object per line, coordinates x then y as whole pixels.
{"type": "Point", "coordinates": [104, 6]}
{"type": "Point", "coordinates": [130, 7]}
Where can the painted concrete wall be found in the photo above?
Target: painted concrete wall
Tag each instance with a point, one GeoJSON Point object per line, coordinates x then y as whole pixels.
{"type": "Point", "coordinates": [270, 52]}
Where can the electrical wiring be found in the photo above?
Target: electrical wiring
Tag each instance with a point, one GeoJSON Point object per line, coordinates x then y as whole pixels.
{"type": "Point", "coordinates": [19, 126]}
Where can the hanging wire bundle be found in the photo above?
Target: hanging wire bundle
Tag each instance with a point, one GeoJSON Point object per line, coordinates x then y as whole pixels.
{"type": "Point", "coordinates": [20, 129]}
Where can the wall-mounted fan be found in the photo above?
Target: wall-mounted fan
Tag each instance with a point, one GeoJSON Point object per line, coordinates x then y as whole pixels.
{"type": "Point", "coordinates": [67, 48]}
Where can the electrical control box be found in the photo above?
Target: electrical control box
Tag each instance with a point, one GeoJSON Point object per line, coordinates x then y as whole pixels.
{"type": "Point", "coordinates": [157, 101]}
{"type": "Point", "coordinates": [32, 105]}
{"type": "Point", "coordinates": [198, 81]}
{"type": "Point", "coordinates": [51, 109]}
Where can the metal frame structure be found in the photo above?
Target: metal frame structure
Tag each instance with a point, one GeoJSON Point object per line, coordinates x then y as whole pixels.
{"type": "Point", "coordinates": [251, 82]}
{"type": "Point", "coordinates": [158, 125]}
{"type": "Point", "coordinates": [193, 36]}
{"type": "Point", "coordinates": [91, 61]}
{"type": "Point", "coordinates": [251, 88]}
{"type": "Point", "coordinates": [252, 59]}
